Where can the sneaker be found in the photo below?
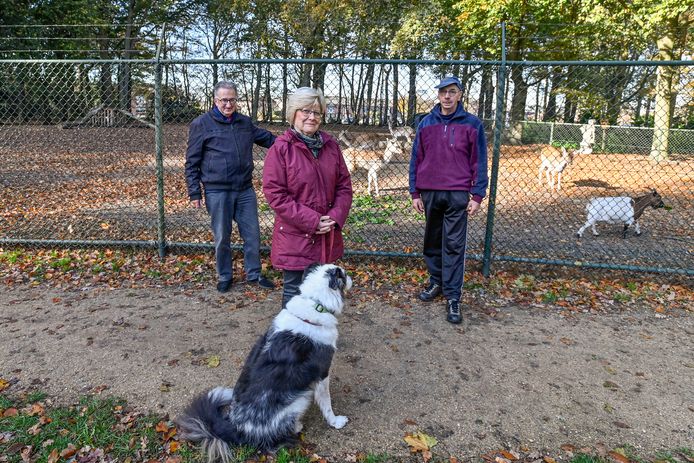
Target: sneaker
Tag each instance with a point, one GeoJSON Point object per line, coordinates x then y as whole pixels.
{"type": "Point", "coordinates": [431, 293]}
{"type": "Point", "coordinates": [454, 316]}
{"type": "Point", "coordinates": [262, 282]}
{"type": "Point", "coordinates": [224, 286]}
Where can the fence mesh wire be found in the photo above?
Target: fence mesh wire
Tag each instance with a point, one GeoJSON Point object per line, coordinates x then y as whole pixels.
{"type": "Point", "coordinates": [79, 162]}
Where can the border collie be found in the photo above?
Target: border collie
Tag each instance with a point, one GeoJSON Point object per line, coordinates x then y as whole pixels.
{"type": "Point", "coordinates": [287, 368]}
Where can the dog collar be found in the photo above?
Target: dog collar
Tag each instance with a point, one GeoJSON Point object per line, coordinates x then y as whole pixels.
{"type": "Point", "coordinates": [320, 308]}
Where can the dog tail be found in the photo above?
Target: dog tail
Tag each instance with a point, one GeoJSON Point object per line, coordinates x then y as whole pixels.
{"type": "Point", "coordinates": [204, 422]}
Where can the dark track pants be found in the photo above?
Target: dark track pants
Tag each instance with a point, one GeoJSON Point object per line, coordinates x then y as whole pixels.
{"type": "Point", "coordinates": [445, 239]}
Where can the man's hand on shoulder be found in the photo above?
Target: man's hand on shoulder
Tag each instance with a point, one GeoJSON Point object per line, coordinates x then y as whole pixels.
{"type": "Point", "coordinates": [196, 203]}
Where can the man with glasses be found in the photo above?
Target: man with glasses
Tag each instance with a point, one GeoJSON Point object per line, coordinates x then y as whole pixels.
{"type": "Point", "coordinates": [220, 157]}
{"type": "Point", "coordinates": [448, 179]}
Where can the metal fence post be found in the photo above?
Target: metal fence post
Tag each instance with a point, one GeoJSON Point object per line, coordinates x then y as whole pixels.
{"type": "Point", "coordinates": [158, 140]}
{"type": "Point", "coordinates": [498, 127]}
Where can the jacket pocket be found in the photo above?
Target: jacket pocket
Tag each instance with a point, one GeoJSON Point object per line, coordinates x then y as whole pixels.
{"type": "Point", "coordinates": [214, 168]}
{"type": "Point", "coordinates": [293, 244]}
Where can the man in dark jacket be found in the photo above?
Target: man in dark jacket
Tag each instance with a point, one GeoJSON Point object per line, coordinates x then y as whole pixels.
{"type": "Point", "coordinates": [220, 156]}
{"type": "Point", "coordinates": [448, 179]}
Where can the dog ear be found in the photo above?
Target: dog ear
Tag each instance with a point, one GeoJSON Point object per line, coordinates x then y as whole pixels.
{"type": "Point", "coordinates": [337, 278]}
{"type": "Point", "coordinates": [309, 269]}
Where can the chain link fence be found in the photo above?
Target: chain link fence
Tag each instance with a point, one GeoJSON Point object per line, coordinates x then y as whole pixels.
{"type": "Point", "coordinates": [89, 158]}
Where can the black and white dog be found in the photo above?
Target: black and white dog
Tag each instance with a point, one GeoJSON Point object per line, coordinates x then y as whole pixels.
{"type": "Point", "coordinates": [287, 368]}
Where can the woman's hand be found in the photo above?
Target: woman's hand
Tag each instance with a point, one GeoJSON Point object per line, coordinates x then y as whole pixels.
{"type": "Point", "coordinates": [325, 225]}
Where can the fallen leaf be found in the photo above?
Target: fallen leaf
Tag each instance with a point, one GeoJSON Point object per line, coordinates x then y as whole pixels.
{"type": "Point", "coordinates": [610, 385]}
{"type": "Point", "coordinates": [35, 429]}
{"type": "Point", "coordinates": [426, 455]}
{"type": "Point", "coordinates": [68, 452]}
{"type": "Point", "coordinates": [53, 457]}
{"type": "Point", "coordinates": [420, 442]}
{"type": "Point", "coordinates": [4, 384]}
{"type": "Point", "coordinates": [568, 448]}
{"type": "Point", "coordinates": [549, 460]}
{"type": "Point", "coordinates": [620, 458]}
{"type": "Point", "coordinates": [36, 409]}
{"type": "Point", "coordinates": [509, 455]}
{"type": "Point", "coordinates": [10, 412]}
{"type": "Point", "coordinates": [621, 425]}
{"type": "Point", "coordinates": [213, 361]}
{"type": "Point", "coordinates": [26, 454]}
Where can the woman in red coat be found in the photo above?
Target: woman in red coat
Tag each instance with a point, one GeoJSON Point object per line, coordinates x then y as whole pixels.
{"type": "Point", "coordinates": [307, 184]}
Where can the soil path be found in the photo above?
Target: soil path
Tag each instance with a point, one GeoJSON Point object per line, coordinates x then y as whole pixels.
{"type": "Point", "coordinates": [511, 378]}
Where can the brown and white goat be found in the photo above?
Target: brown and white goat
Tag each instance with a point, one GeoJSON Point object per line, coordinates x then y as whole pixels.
{"type": "Point", "coordinates": [553, 161]}
{"type": "Point", "coordinates": [370, 159]}
{"type": "Point", "coordinates": [619, 209]}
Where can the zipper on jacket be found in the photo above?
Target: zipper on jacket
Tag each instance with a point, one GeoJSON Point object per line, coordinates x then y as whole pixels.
{"type": "Point", "coordinates": [236, 143]}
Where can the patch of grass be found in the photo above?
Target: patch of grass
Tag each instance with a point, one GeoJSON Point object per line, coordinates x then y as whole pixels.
{"type": "Point", "coordinates": [583, 458]}
{"type": "Point", "coordinates": [370, 210]}
{"type": "Point", "coordinates": [290, 456]}
{"type": "Point", "coordinates": [550, 297]}
{"type": "Point", "coordinates": [62, 263]}
{"type": "Point", "coordinates": [524, 282]}
{"type": "Point", "coordinates": [11, 257]}
{"type": "Point", "coordinates": [379, 458]}
{"type": "Point", "coordinates": [151, 273]}
{"type": "Point", "coordinates": [621, 297]}
{"type": "Point", "coordinates": [93, 425]}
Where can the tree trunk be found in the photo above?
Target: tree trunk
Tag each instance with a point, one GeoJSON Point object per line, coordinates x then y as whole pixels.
{"type": "Point", "coordinates": [338, 116]}
{"type": "Point", "coordinates": [396, 99]}
{"type": "Point", "coordinates": [256, 91]}
{"type": "Point", "coordinates": [663, 103]}
{"type": "Point", "coordinates": [670, 47]}
{"type": "Point", "coordinates": [369, 93]}
{"type": "Point", "coordinates": [268, 96]}
{"type": "Point", "coordinates": [412, 95]}
{"type": "Point", "coordinates": [518, 100]}
{"type": "Point", "coordinates": [124, 75]}
{"type": "Point", "coordinates": [550, 114]}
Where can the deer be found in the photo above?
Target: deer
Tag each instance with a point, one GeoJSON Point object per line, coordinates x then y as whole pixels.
{"type": "Point", "coordinates": [366, 157]}
{"type": "Point", "coordinates": [553, 161]}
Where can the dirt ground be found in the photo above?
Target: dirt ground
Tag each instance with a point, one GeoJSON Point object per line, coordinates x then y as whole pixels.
{"type": "Point", "coordinates": [513, 378]}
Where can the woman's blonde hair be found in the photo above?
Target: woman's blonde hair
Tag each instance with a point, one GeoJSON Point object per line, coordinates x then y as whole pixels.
{"type": "Point", "coordinates": [304, 97]}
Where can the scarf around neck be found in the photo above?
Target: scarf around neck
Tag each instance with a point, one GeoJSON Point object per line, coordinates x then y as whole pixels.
{"type": "Point", "coordinates": [314, 143]}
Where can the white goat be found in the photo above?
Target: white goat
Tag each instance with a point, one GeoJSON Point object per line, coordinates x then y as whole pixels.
{"type": "Point", "coordinates": [553, 161]}
{"type": "Point", "coordinates": [371, 160]}
{"type": "Point", "coordinates": [619, 209]}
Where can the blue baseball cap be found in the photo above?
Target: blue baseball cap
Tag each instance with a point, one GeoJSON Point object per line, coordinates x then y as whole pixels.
{"type": "Point", "coordinates": [450, 80]}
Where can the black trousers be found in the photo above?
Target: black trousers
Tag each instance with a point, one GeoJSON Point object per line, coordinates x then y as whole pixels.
{"type": "Point", "coordinates": [445, 239]}
{"type": "Point", "coordinates": [292, 281]}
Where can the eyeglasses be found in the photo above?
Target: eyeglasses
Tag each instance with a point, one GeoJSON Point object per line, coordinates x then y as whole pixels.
{"type": "Point", "coordinates": [308, 112]}
{"type": "Point", "coordinates": [449, 92]}
{"type": "Point", "coordinates": [226, 101]}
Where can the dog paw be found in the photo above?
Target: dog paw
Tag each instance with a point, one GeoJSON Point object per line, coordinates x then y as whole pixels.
{"type": "Point", "coordinates": [339, 422]}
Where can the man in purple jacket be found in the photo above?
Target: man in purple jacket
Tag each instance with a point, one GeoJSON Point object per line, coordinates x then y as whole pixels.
{"type": "Point", "coordinates": [448, 179]}
{"type": "Point", "coordinates": [220, 157]}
